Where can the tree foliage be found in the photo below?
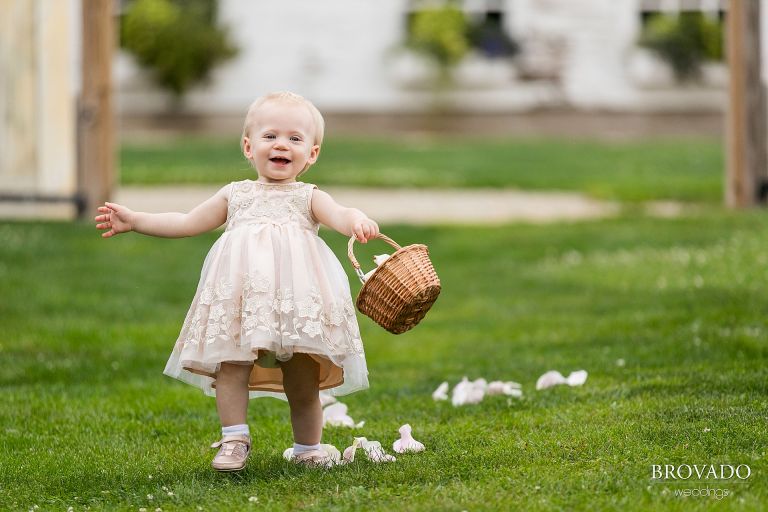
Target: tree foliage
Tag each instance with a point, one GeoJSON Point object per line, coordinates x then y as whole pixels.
{"type": "Point", "coordinates": [440, 33]}
{"type": "Point", "coordinates": [684, 41]}
{"type": "Point", "coordinates": [178, 41]}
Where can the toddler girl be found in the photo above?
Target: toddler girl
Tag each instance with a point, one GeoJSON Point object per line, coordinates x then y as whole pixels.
{"type": "Point", "coordinates": [272, 315]}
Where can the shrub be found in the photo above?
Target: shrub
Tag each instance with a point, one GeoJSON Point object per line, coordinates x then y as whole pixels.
{"type": "Point", "coordinates": [684, 41]}
{"type": "Point", "coordinates": [178, 41]}
{"type": "Point", "coordinates": [441, 34]}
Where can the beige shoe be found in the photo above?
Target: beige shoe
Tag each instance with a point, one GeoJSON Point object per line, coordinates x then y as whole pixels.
{"type": "Point", "coordinates": [327, 456]}
{"type": "Point", "coordinates": [233, 452]}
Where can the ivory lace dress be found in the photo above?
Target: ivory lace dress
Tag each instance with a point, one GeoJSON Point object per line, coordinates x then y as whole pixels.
{"type": "Point", "coordinates": [270, 287]}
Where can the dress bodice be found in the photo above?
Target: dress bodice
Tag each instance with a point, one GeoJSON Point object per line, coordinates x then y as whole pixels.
{"type": "Point", "coordinates": [255, 203]}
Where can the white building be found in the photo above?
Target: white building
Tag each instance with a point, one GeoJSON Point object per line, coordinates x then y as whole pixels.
{"type": "Point", "coordinates": [348, 56]}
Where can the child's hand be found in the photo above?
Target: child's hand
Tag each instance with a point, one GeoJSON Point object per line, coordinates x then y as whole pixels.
{"type": "Point", "coordinates": [365, 229]}
{"type": "Point", "coordinates": [116, 218]}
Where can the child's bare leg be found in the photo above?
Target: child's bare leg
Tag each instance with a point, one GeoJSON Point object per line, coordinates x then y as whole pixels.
{"type": "Point", "coordinates": [232, 393]}
{"type": "Point", "coordinates": [301, 382]}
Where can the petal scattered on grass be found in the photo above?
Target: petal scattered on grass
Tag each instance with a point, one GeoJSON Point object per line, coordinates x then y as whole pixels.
{"type": "Point", "coordinates": [349, 453]}
{"type": "Point", "coordinates": [549, 379]}
{"type": "Point", "coordinates": [472, 392]}
{"type": "Point", "coordinates": [333, 453]}
{"type": "Point", "coordinates": [335, 415]}
{"type": "Point", "coordinates": [441, 393]}
{"type": "Point", "coordinates": [407, 443]}
{"type": "Point", "coordinates": [554, 378]}
{"type": "Point", "coordinates": [374, 451]}
{"type": "Point", "coordinates": [326, 398]}
{"type": "Point", "coordinates": [577, 378]}
{"type": "Point", "coordinates": [510, 388]}
{"type": "Point", "coordinates": [466, 392]}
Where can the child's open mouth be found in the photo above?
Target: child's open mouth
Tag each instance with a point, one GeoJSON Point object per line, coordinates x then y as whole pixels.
{"type": "Point", "coordinates": [280, 160]}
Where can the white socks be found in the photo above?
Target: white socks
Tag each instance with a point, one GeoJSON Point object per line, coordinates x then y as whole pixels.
{"type": "Point", "coordinates": [235, 430]}
{"type": "Point", "coordinates": [301, 448]}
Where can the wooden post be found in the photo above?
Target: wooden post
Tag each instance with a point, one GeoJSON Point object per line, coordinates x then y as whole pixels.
{"type": "Point", "coordinates": [96, 122]}
{"type": "Point", "coordinates": [746, 184]}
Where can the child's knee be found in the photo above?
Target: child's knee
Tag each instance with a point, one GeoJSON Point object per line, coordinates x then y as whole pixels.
{"type": "Point", "coordinates": [302, 387]}
{"type": "Point", "coordinates": [234, 371]}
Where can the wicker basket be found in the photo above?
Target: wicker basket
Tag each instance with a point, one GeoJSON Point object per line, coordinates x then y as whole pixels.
{"type": "Point", "coordinates": [401, 290]}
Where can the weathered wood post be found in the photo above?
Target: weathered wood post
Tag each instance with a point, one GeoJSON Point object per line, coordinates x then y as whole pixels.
{"type": "Point", "coordinates": [746, 180]}
{"type": "Point", "coordinates": [96, 119]}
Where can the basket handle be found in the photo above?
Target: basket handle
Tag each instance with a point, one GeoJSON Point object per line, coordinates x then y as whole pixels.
{"type": "Point", "coordinates": [352, 258]}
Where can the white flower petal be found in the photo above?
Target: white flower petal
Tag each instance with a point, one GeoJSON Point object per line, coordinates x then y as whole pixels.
{"type": "Point", "coordinates": [549, 379]}
{"type": "Point", "coordinates": [460, 392]}
{"type": "Point", "coordinates": [349, 452]}
{"type": "Point", "coordinates": [577, 378]}
{"type": "Point", "coordinates": [326, 398]}
{"type": "Point", "coordinates": [375, 452]}
{"type": "Point", "coordinates": [380, 258]}
{"type": "Point", "coordinates": [441, 393]}
{"type": "Point", "coordinates": [495, 388]}
{"type": "Point", "coordinates": [407, 443]}
{"type": "Point", "coordinates": [335, 415]}
{"type": "Point", "coordinates": [480, 383]}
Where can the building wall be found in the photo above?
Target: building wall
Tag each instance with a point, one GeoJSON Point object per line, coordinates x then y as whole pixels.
{"type": "Point", "coordinates": [331, 51]}
{"type": "Point", "coordinates": [347, 56]}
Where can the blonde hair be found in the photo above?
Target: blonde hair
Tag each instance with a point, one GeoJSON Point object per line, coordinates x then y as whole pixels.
{"type": "Point", "coordinates": [287, 97]}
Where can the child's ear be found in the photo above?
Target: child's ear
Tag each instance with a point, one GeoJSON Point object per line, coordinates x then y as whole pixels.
{"type": "Point", "coordinates": [247, 147]}
{"type": "Point", "coordinates": [314, 152]}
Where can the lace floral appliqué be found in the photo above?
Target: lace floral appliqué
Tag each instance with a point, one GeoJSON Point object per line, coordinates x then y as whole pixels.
{"type": "Point", "coordinates": [276, 313]}
{"type": "Point", "coordinates": [254, 202]}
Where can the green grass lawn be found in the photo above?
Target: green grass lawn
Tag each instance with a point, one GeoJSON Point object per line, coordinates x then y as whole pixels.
{"type": "Point", "coordinates": [88, 419]}
{"type": "Point", "coordinates": [685, 169]}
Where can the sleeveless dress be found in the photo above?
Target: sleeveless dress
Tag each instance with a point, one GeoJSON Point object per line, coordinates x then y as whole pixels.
{"type": "Point", "coordinates": [270, 287]}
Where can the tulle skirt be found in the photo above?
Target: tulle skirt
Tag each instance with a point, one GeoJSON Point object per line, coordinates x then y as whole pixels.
{"type": "Point", "coordinates": [267, 291]}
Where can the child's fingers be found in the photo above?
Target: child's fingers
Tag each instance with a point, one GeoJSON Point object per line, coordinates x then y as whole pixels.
{"type": "Point", "coordinates": [358, 230]}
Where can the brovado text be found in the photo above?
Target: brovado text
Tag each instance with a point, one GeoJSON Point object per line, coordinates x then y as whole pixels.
{"type": "Point", "coordinates": [699, 471]}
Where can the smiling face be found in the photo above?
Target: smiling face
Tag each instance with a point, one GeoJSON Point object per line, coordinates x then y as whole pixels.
{"type": "Point", "coordinates": [280, 143]}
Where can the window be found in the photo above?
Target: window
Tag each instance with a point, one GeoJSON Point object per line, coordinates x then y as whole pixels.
{"type": "Point", "coordinates": [486, 20]}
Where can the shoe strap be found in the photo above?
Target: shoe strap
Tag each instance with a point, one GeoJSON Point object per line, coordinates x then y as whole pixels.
{"type": "Point", "coordinates": [232, 440]}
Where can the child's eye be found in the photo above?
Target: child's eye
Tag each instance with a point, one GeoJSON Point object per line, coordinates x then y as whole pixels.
{"type": "Point", "coordinates": [295, 139]}
{"type": "Point", "coordinates": [269, 136]}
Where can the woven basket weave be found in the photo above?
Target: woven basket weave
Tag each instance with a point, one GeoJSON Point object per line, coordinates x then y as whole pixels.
{"type": "Point", "coordinates": [401, 290]}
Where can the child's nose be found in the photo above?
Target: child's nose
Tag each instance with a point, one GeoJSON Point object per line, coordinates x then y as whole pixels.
{"type": "Point", "coordinates": [280, 143]}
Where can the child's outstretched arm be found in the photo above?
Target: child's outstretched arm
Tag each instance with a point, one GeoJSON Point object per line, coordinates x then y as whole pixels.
{"type": "Point", "coordinates": [349, 221]}
{"type": "Point", "coordinates": [208, 215]}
